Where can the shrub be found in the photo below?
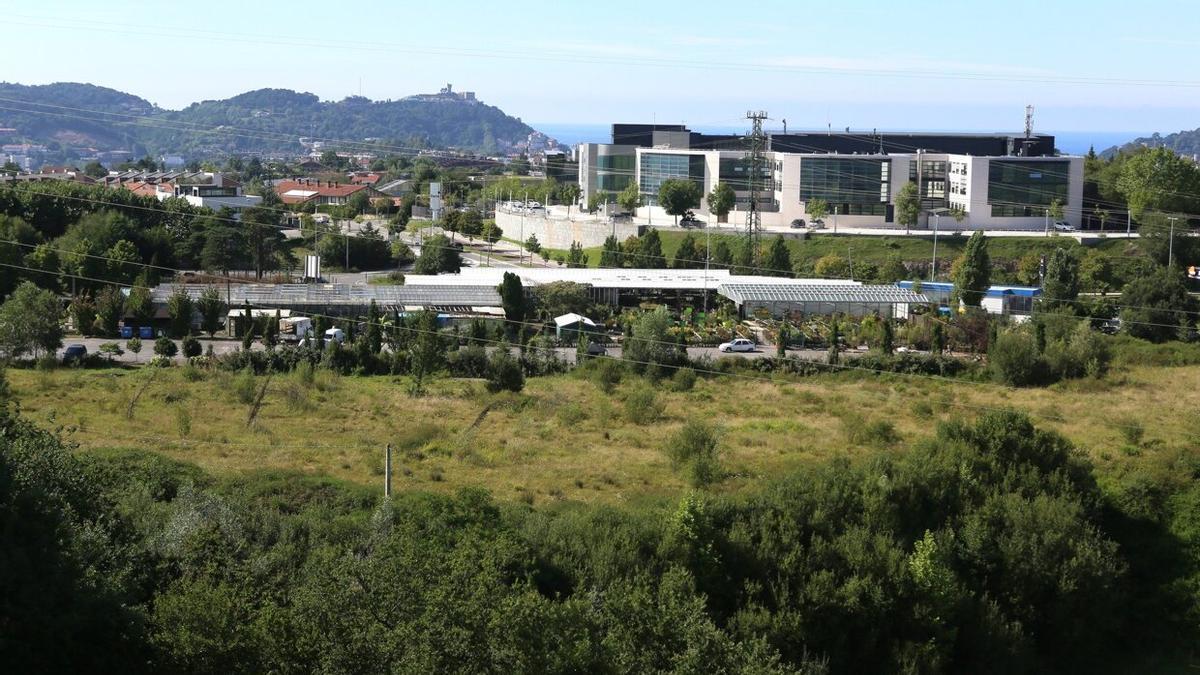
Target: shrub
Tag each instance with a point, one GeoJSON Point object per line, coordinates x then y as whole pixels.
{"type": "Point", "coordinates": [606, 373]}
{"type": "Point", "coordinates": [183, 421]}
{"type": "Point", "coordinates": [165, 347]}
{"type": "Point", "coordinates": [304, 374]}
{"type": "Point", "coordinates": [1014, 359]}
{"type": "Point", "coordinates": [160, 362]}
{"type": "Point", "coordinates": [192, 347]}
{"type": "Point", "coordinates": [243, 386]}
{"type": "Point", "coordinates": [504, 373]}
{"type": "Point", "coordinates": [683, 380]}
{"type": "Point", "coordinates": [696, 447]}
{"type": "Point", "coordinates": [642, 405]}
{"type": "Point", "coordinates": [470, 361]}
{"type": "Point", "coordinates": [191, 373]}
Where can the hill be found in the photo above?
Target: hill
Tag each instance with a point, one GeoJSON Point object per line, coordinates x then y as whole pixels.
{"type": "Point", "coordinates": [1182, 142]}
{"type": "Point", "coordinates": [68, 117]}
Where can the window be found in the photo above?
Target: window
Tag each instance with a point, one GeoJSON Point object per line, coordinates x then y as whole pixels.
{"type": "Point", "coordinates": [1025, 188]}
{"type": "Point", "coordinates": [657, 167]}
{"type": "Point", "coordinates": [614, 172]}
{"type": "Point", "coordinates": [856, 186]}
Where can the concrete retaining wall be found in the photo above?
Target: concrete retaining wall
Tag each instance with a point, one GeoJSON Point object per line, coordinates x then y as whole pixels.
{"type": "Point", "coordinates": [561, 232]}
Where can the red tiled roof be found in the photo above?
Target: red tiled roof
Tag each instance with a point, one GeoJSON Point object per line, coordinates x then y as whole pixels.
{"type": "Point", "coordinates": [322, 188]}
{"type": "Point", "coordinates": [365, 179]}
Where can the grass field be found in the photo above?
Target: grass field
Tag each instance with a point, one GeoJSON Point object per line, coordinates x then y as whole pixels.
{"type": "Point", "coordinates": [563, 438]}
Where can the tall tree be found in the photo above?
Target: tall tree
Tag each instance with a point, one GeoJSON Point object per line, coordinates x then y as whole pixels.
{"type": "Point", "coordinates": [721, 201]}
{"type": "Point", "coordinates": [610, 254]}
{"type": "Point", "coordinates": [650, 255]}
{"type": "Point", "coordinates": [908, 205]}
{"type": "Point", "coordinates": [1159, 180]}
{"type": "Point", "coordinates": [570, 195]}
{"type": "Point", "coordinates": [816, 209]}
{"type": "Point", "coordinates": [687, 256]}
{"type": "Point", "coordinates": [110, 309]}
{"type": "Point", "coordinates": [679, 195]}
{"type": "Point", "coordinates": [261, 226]}
{"type": "Point", "coordinates": [512, 297]}
{"type": "Point", "coordinates": [630, 198]}
{"type": "Point", "coordinates": [779, 259]}
{"type": "Point", "coordinates": [179, 309]}
{"type": "Point", "coordinates": [722, 255]}
{"type": "Point", "coordinates": [30, 321]}
{"type": "Point", "coordinates": [575, 256]}
{"type": "Point", "coordinates": [972, 271]}
{"type": "Point", "coordinates": [212, 309]}
{"type": "Point", "coordinates": [1061, 285]}
{"type": "Point", "coordinates": [1154, 303]}
{"type": "Point", "coordinates": [374, 330]}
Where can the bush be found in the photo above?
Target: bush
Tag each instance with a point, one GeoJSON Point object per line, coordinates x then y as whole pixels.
{"type": "Point", "coordinates": [192, 347]}
{"type": "Point", "coordinates": [1081, 353]}
{"type": "Point", "coordinates": [1014, 359]}
{"type": "Point", "coordinates": [305, 374]}
{"type": "Point", "coordinates": [683, 380]}
{"type": "Point", "coordinates": [696, 447]}
{"type": "Point", "coordinates": [166, 347]}
{"type": "Point", "coordinates": [504, 372]}
{"type": "Point", "coordinates": [470, 361]}
{"type": "Point", "coordinates": [606, 373]}
{"type": "Point", "coordinates": [243, 386]}
{"type": "Point", "coordinates": [642, 405]}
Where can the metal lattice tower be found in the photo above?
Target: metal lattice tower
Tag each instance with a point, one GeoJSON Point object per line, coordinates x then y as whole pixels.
{"type": "Point", "coordinates": [757, 164]}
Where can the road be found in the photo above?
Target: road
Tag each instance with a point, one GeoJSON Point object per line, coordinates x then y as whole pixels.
{"type": "Point", "coordinates": [225, 346]}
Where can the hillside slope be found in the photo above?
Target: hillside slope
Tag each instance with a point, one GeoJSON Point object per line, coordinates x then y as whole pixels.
{"type": "Point", "coordinates": [84, 116]}
{"type": "Point", "coordinates": [1182, 142]}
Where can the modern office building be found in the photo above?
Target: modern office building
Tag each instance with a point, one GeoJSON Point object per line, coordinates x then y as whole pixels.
{"type": "Point", "coordinates": [1000, 181]}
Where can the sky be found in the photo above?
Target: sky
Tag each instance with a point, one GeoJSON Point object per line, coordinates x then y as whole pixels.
{"type": "Point", "coordinates": [1086, 65]}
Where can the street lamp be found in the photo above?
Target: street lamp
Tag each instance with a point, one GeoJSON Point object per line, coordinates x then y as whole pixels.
{"type": "Point", "coordinates": [936, 213]}
{"type": "Point", "coordinates": [1171, 241]}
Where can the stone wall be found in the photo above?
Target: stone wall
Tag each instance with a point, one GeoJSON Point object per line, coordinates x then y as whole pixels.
{"type": "Point", "coordinates": [561, 232]}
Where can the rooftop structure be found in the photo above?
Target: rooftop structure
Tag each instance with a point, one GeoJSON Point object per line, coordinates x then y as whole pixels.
{"type": "Point", "coordinates": [348, 299]}
{"type": "Point", "coordinates": [781, 299]}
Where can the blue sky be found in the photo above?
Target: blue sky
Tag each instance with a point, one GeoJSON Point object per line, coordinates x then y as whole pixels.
{"type": "Point", "coordinates": [934, 64]}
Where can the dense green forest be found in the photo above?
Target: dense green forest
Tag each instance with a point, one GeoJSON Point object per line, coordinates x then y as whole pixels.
{"type": "Point", "coordinates": [992, 546]}
{"type": "Point", "coordinates": [1186, 142]}
{"type": "Point", "coordinates": [267, 120]}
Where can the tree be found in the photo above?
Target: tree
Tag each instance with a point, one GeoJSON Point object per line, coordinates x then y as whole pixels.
{"type": "Point", "coordinates": [1153, 303]}
{"type": "Point", "coordinates": [575, 256]}
{"type": "Point", "coordinates": [908, 205]}
{"type": "Point", "coordinates": [179, 309]}
{"type": "Point", "coordinates": [512, 297]}
{"type": "Point", "coordinates": [123, 261]}
{"type": "Point", "coordinates": [1055, 210]}
{"type": "Point", "coordinates": [261, 226]}
{"type": "Point", "coordinates": [722, 256]}
{"type": "Point", "coordinates": [816, 209]}
{"type": "Point", "coordinates": [110, 309]}
{"type": "Point", "coordinates": [570, 195]}
{"type": "Point", "coordinates": [30, 321]}
{"type": "Point", "coordinates": [359, 202]}
{"type": "Point", "coordinates": [532, 244]}
{"type": "Point", "coordinates": [83, 314]}
{"type": "Point", "coordinates": [650, 253]}
{"type": "Point", "coordinates": [937, 337]}
{"type": "Point", "coordinates": [679, 195]}
{"type": "Point", "coordinates": [490, 232]}
{"type": "Point", "coordinates": [1014, 358]}
{"type": "Point", "coordinates": [630, 198]}
{"type": "Point", "coordinates": [779, 259]}
{"type": "Point", "coordinates": [721, 201]}
{"type": "Point", "coordinates": [134, 346]}
{"type": "Point", "coordinates": [1159, 180]}
{"type": "Point", "coordinates": [687, 256]}
{"type": "Point", "coordinates": [1095, 272]}
{"type": "Point", "coordinates": [650, 341]}
{"type": "Point", "coordinates": [438, 256]}
{"type": "Point", "coordinates": [972, 271]}
{"type": "Point", "coordinates": [504, 372]}
{"type": "Point", "coordinates": [139, 304]}
{"type": "Point", "coordinates": [832, 266]}
{"type": "Point", "coordinates": [1154, 239]}
{"type": "Point", "coordinates": [835, 339]}
{"type": "Point", "coordinates": [165, 347]}
{"type": "Point", "coordinates": [1061, 286]}
{"type": "Point", "coordinates": [1029, 269]}
{"type": "Point", "coordinates": [374, 328]}
{"type": "Point", "coordinates": [887, 337]}
{"type": "Point", "coordinates": [427, 352]}
{"type": "Point", "coordinates": [893, 269]}
{"type": "Point", "coordinates": [212, 309]}
{"type": "Point", "coordinates": [94, 170]}
{"type": "Point", "coordinates": [270, 330]}
{"type": "Point", "coordinates": [224, 248]}
{"type": "Point", "coordinates": [192, 347]}
{"type": "Point", "coordinates": [562, 297]}
{"type": "Point", "coordinates": [610, 253]}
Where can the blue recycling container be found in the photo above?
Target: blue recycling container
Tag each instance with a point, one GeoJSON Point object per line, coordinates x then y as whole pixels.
{"type": "Point", "coordinates": [146, 332]}
{"type": "Point", "coordinates": [126, 332]}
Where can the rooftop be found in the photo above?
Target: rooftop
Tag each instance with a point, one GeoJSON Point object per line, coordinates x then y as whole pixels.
{"type": "Point", "coordinates": [741, 293]}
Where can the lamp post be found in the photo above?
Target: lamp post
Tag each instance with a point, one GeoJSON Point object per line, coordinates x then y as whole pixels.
{"type": "Point", "coordinates": [936, 222]}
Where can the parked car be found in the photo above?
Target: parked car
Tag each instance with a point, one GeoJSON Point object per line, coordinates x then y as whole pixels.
{"type": "Point", "coordinates": [798, 224]}
{"type": "Point", "coordinates": [74, 353]}
{"type": "Point", "coordinates": [334, 335]}
{"type": "Point", "coordinates": [689, 219]}
{"type": "Point", "coordinates": [596, 349]}
{"type": "Point", "coordinates": [817, 224]}
{"type": "Point", "coordinates": [737, 345]}
{"type": "Point", "coordinates": [1063, 226]}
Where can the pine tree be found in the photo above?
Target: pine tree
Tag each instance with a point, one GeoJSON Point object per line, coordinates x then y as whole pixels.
{"type": "Point", "coordinates": [779, 259]}
{"type": "Point", "coordinates": [1060, 288]}
{"type": "Point", "coordinates": [610, 255]}
{"type": "Point", "coordinates": [687, 256]}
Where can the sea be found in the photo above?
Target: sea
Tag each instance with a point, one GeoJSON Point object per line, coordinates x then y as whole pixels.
{"type": "Point", "coordinates": [1069, 142]}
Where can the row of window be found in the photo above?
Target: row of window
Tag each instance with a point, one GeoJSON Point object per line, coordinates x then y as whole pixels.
{"type": "Point", "coordinates": [845, 180]}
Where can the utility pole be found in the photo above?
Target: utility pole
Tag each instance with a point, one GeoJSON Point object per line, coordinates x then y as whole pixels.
{"type": "Point", "coordinates": [707, 256]}
{"type": "Point", "coordinates": [1171, 241]}
{"type": "Point", "coordinates": [933, 270]}
{"type": "Point", "coordinates": [387, 471]}
{"type": "Point", "coordinates": [758, 160]}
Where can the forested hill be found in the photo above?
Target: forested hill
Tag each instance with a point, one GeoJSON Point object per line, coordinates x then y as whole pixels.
{"type": "Point", "coordinates": [73, 115]}
{"type": "Point", "coordinates": [1182, 142]}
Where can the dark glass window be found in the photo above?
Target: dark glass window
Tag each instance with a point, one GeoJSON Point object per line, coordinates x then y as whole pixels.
{"type": "Point", "coordinates": [1024, 188]}
{"type": "Point", "coordinates": [614, 172]}
{"type": "Point", "coordinates": [856, 184]}
{"type": "Point", "coordinates": [657, 167]}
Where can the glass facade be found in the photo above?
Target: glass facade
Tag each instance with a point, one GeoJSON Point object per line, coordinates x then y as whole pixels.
{"type": "Point", "coordinates": [735, 171]}
{"type": "Point", "coordinates": [854, 186]}
{"type": "Point", "coordinates": [614, 172]}
{"type": "Point", "coordinates": [1024, 188]}
{"type": "Point", "coordinates": [657, 167]}
{"type": "Point", "coordinates": [933, 178]}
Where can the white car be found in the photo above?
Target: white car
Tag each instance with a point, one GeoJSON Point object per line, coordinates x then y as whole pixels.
{"type": "Point", "coordinates": [738, 345]}
{"type": "Point", "coordinates": [1063, 226]}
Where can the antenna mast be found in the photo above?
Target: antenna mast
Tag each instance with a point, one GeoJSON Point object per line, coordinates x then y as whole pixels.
{"type": "Point", "coordinates": [758, 162]}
